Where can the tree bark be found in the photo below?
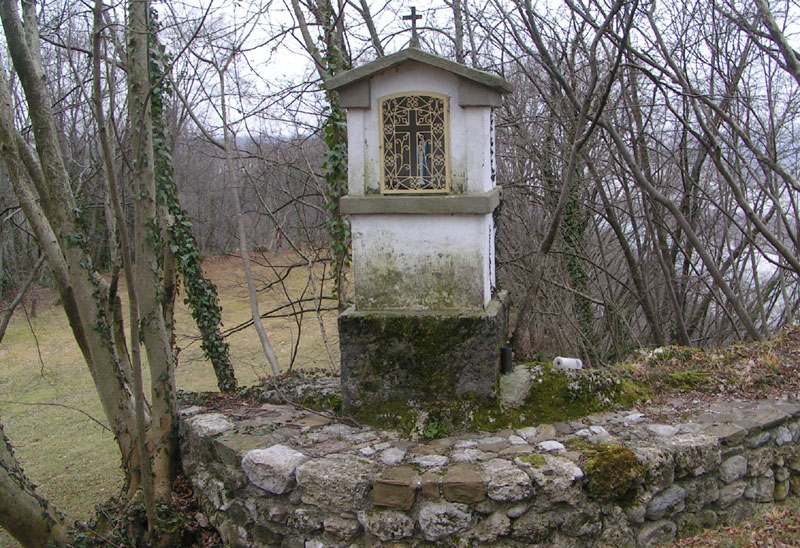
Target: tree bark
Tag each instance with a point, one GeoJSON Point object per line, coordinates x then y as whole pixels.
{"type": "Point", "coordinates": [162, 436]}
{"type": "Point", "coordinates": [81, 290]}
{"type": "Point", "coordinates": [30, 519]}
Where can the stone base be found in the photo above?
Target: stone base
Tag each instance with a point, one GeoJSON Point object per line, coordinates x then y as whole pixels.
{"type": "Point", "coordinates": [424, 357]}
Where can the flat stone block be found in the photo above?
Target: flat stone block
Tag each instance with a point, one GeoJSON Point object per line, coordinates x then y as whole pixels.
{"type": "Point", "coordinates": [728, 434]}
{"type": "Point", "coordinates": [429, 485]}
{"type": "Point", "coordinates": [389, 358]}
{"type": "Point", "coordinates": [272, 469]}
{"type": "Point", "coordinates": [340, 481]}
{"type": "Point", "coordinates": [231, 448]}
{"type": "Point", "coordinates": [731, 493]}
{"type": "Point", "coordinates": [395, 488]}
{"type": "Point", "coordinates": [209, 424]}
{"type": "Point", "coordinates": [462, 483]}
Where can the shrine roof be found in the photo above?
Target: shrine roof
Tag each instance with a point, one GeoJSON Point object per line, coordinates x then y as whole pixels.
{"type": "Point", "coordinates": [387, 62]}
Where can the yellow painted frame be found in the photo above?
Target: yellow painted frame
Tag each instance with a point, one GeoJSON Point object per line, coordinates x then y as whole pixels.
{"type": "Point", "coordinates": [446, 99]}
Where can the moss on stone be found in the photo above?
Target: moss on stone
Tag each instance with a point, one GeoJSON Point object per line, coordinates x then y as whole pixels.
{"type": "Point", "coordinates": [577, 444]}
{"type": "Point", "coordinates": [613, 473]}
{"type": "Point", "coordinates": [329, 402]}
{"type": "Point", "coordinates": [688, 380]}
{"type": "Point", "coordinates": [554, 396]}
{"type": "Point", "coordinates": [391, 414]}
{"type": "Point", "coordinates": [534, 459]}
{"type": "Point", "coordinates": [564, 395]}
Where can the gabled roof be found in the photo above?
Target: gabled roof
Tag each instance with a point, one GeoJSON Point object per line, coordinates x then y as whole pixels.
{"type": "Point", "coordinates": [387, 62]}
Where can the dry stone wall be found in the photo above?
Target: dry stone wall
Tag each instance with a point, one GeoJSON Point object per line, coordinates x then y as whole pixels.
{"type": "Point", "coordinates": [273, 475]}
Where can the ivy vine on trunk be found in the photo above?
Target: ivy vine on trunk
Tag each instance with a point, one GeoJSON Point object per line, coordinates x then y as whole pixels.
{"type": "Point", "coordinates": [201, 293]}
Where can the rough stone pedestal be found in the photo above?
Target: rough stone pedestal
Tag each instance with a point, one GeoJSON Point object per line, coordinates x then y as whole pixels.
{"type": "Point", "coordinates": [426, 357]}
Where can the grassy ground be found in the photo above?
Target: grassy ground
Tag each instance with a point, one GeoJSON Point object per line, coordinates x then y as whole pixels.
{"type": "Point", "coordinates": [74, 461]}
{"type": "Point", "coordinates": [777, 526]}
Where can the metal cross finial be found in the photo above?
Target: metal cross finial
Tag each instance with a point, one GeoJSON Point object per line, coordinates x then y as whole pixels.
{"type": "Point", "coordinates": [413, 18]}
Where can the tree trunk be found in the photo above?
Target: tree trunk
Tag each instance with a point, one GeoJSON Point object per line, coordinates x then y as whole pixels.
{"type": "Point", "coordinates": [28, 517]}
{"type": "Point", "coordinates": [162, 436]}
{"type": "Point", "coordinates": [82, 291]}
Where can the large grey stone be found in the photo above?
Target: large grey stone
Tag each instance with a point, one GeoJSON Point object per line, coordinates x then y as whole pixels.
{"type": "Point", "coordinates": [758, 440]}
{"type": "Point", "coordinates": [670, 501]}
{"type": "Point", "coordinates": [700, 492]}
{"type": "Point", "coordinates": [514, 386]}
{"type": "Point", "coordinates": [505, 482]}
{"type": "Point", "coordinates": [438, 520]}
{"type": "Point", "coordinates": [533, 526]}
{"type": "Point", "coordinates": [662, 430]}
{"type": "Point", "coordinates": [761, 489]}
{"type": "Point", "coordinates": [656, 533]}
{"type": "Point", "coordinates": [467, 455]}
{"type": "Point", "coordinates": [782, 436]}
{"type": "Point", "coordinates": [694, 454]}
{"type": "Point", "coordinates": [551, 445]}
{"type": "Point", "coordinates": [387, 524]}
{"type": "Point", "coordinates": [430, 461]}
{"type": "Point", "coordinates": [495, 526]}
{"type": "Point", "coordinates": [272, 469]}
{"type": "Point", "coordinates": [727, 433]}
{"type": "Point", "coordinates": [558, 479]}
{"type": "Point", "coordinates": [209, 424]}
{"type": "Point", "coordinates": [733, 468]}
{"type": "Point", "coordinates": [393, 456]}
{"type": "Point", "coordinates": [340, 481]}
{"type": "Point", "coordinates": [658, 463]}
{"type": "Point", "coordinates": [736, 512]}
{"type": "Point", "coordinates": [731, 493]}
{"type": "Point", "coordinates": [528, 432]}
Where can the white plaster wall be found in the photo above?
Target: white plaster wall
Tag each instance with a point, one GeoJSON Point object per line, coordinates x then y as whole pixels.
{"type": "Point", "coordinates": [422, 261]}
{"type": "Point", "coordinates": [356, 185]}
{"type": "Point", "coordinates": [470, 131]}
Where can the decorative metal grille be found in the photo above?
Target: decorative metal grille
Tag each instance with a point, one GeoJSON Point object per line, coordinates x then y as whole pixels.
{"type": "Point", "coordinates": [414, 143]}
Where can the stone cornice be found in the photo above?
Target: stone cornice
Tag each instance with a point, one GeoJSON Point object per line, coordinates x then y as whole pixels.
{"type": "Point", "coordinates": [458, 204]}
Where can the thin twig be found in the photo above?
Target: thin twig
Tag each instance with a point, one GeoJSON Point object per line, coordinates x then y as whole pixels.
{"type": "Point", "coordinates": [35, 339]}
{"type": "Point", "coordinates": [330, 416]}
{"type": "Point", "coordinates": [9, 402]}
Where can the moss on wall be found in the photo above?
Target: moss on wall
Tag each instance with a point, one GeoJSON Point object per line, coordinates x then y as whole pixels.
{"type": "Point", "coordinates": [613, 473]}
{"type": "Point", "coordinates": [444, 281]}
{"type": "Point", "coordinates": [554, 396]}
